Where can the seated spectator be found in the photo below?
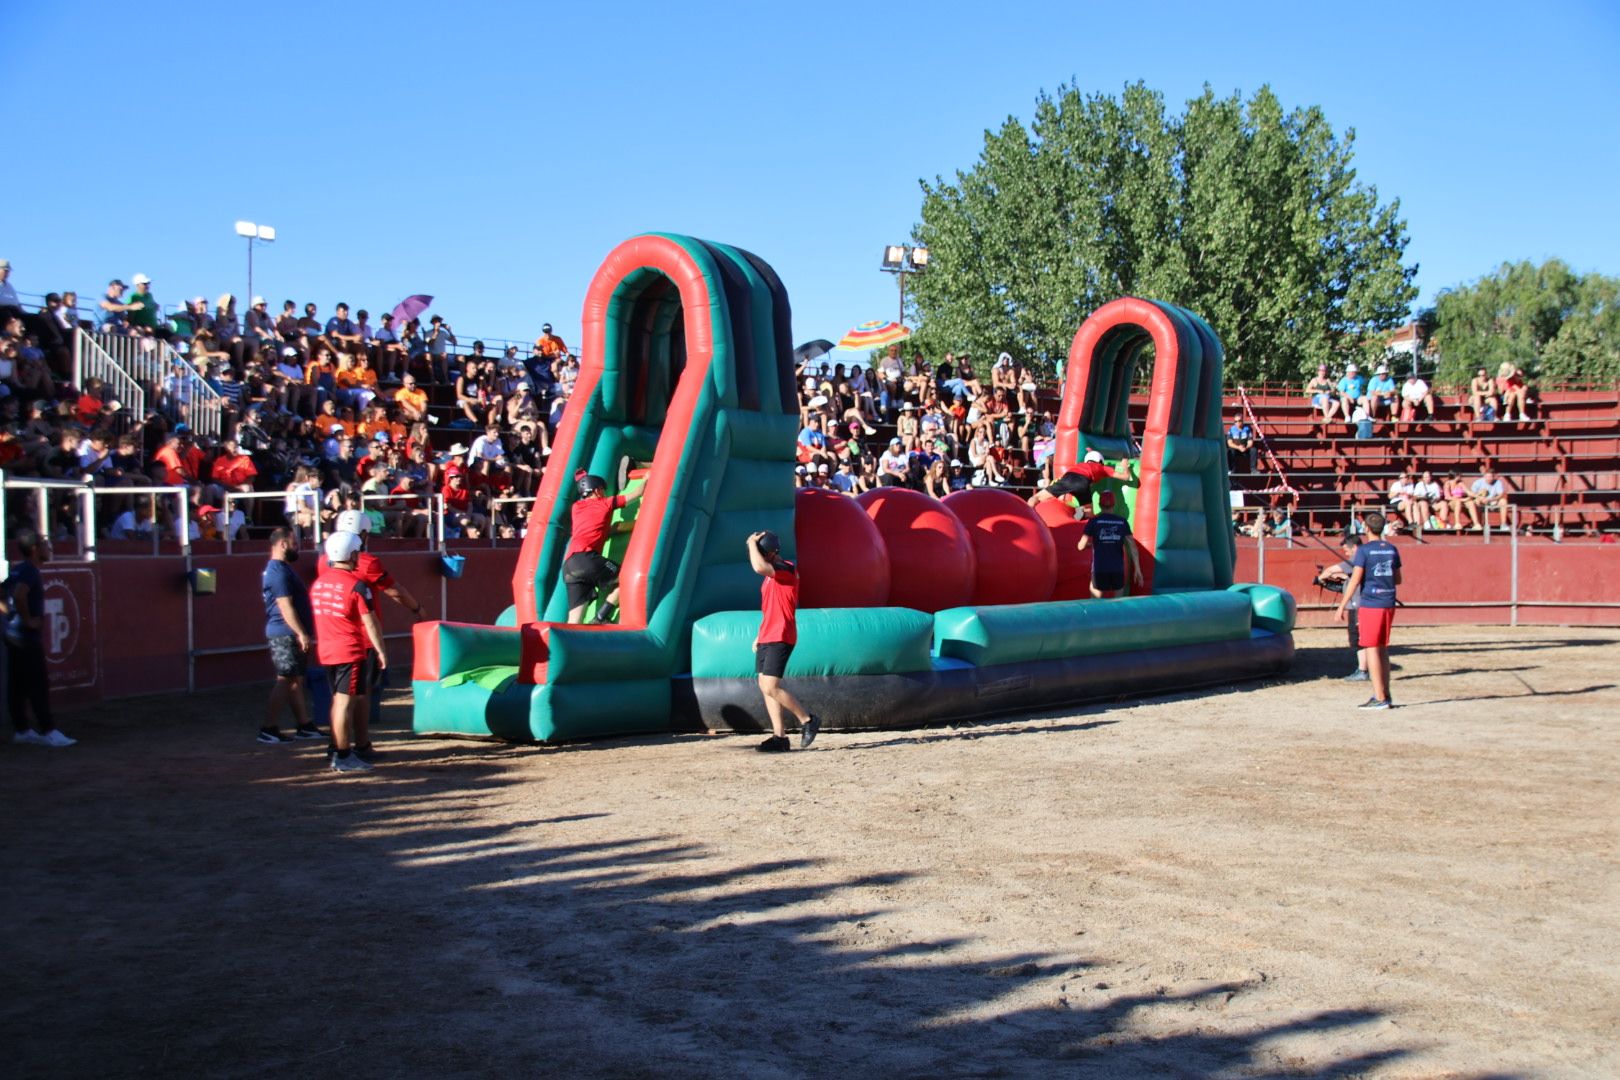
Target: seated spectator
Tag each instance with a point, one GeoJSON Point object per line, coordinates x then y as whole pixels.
{"type": "Point", "coordinates": [1320, 390]}
{"type": "Point", "coordinates": [486, 460]}
{"type": "Point", "coordinates": [1382, 394]}
{"type": "Point", "coordinates": [411, 400]}
{"type": "Point", "coordinates": [114, 310]}
{"type": "Point", "coordinates": [894, 465]}
{"type": "Point", "coordinates": [10, 302]}
{"type": "Point", "coordinates": [461, 512]}
{"type": "Point", "coordinates": [1488, 493]}
{"type": "Point", "coordinates": [812, 441]}
{"type": "Point", "coordinates": [303, 500]}
{"type": "Point", "coordinates": [354, 382]}
{"type": "Point", "coordinates": [843, 479]}
{"type": "Point", "coordinates": [1415, 393]}
{"type": "Point", "coordinates": [136, 523]}
{"type": "Point", "coordinates": [289, 329]}
{"type": "Point", "coordinates": [1456, 501]}
{"type": "Point", "coordinates": [55, 336]}
{"type": "Point", "coordinates": [937, 480]}
{"type": "Point", "coordinates": [1426, 496]}
{"type": "Point", "coordinates": [178, 461]}
{"type": "Point", "coordinates": [387, 353]}
{"type": "Point", "coordinates": [526, 460]}
{"type": "Point", "coordinates": [227, 331]}
{"type": "Point", "coordinates": [1240, 446]}
{"type": "Point", "coordinates": [232, 469]}
{"type": "Point", "coordinates": [1483, 402]}
{"type": "Point", "coordinates": [261, 332]}
{"type": "Point", "coordinates": [1513, 390]}
{"type": "Point", "coordinates": [344, 333]}
{"type": "Point", "coordinates": [1352, 390]}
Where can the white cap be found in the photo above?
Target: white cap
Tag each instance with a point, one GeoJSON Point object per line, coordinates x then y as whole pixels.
{"type": "Point", "coordinates": [353, 523]}
{"type": "Point", "coordinates": [257, 300]}
{"type": "Point", "coordinates": [1094, 455]}
{"type": "Point", "coordinates": [1348, 368]}
{"type": "Point", "coordinates": [1383, 369]}
{"type": "Point", "coordinates": [1003, 359]}
{"type": "Point", "coordinates": [822, 468]}
{"type": "Point", "coordinates": [341, 547]}
{"type": "Point", "coordinates": [141, 279]}
{"type": "Point", "coordinates": [5, 264]}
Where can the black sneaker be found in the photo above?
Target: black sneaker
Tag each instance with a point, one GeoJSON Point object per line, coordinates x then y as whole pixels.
{"type": "Point", "coordinates": [273, 736]}
{"type": "Point", "coordinates": [1374, 703]}
{"type": "Point", "coordinates": [309, 731]}
{"type": "Point", "coordinates": [808, 733]}
{"type": "Point", "coordinates": [776, 744]}
{"type": "Point", "coordinates": [367, 753]}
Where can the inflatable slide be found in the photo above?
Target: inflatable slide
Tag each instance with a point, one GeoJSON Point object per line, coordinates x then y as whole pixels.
{"type": "Point", "coordinates": [913, 610]}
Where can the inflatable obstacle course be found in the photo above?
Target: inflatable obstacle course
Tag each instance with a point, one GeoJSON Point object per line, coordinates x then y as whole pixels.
{"type": "Point", "coordinates": [913, 610]}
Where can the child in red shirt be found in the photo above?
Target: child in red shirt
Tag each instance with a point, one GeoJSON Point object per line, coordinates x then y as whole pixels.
{"type": "Point", "coordinates": [349, 643]}
{"type": "Point", "coordinates": [778, 633]}
{"type": "Point", "coordinates": [585, 571]}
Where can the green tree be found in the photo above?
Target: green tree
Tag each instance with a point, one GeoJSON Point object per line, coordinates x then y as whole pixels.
{"type": "Point", "coordinates": [1247, 214]}
{"type": "Point", "coordinates": [1547, 319]}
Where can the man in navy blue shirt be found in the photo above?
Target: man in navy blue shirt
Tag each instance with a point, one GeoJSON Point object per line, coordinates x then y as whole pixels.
{"type": "Point", "coordinates": [1240, 446]}
{"type": "Point", "coordinates": [22, 603]}
{"type": "Point", "coordinates": [1375, 572]}
{"type": "Point", "coordinates": [1112, 549]}
{"type": "Point", "coordinates": [289, 627]}
{"type": "Point", "coordinates": [344, 333]}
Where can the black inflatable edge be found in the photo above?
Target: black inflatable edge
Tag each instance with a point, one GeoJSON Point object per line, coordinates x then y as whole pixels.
{"type": "Point", "coordinates": [951, 694]}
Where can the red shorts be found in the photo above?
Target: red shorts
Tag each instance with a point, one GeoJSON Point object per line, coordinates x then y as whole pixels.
{"type": "Point", "coordinates": [1374, 624]}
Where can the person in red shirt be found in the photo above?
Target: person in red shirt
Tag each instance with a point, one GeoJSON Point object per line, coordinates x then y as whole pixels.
{"type": "Point", "coordinates": [233, 469]}
{"type": "Point", "coordinates": [180, 458]}
{"type": "Point", "coordinates": [585, 571]}
{"type": "Point", "coordinates": [778, 633]}
{"type": "Point", "coordinates": [1078, 480]}
{"type": "Point", "coordinates": [458, 506]}
{"type": "Point", "coordinates": [349, 644]}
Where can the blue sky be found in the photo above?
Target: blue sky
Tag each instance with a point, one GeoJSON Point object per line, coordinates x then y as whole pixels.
{"type": "Point", "coordinates": [491, 154]}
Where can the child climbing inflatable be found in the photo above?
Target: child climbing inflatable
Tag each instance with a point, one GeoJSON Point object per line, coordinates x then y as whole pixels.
{"type": "Point", "coordinates": [912, 610]}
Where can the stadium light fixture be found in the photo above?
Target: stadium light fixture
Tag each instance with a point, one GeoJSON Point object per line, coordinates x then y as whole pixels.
{"type": "Point", "coordinates": [254, 233]}
{"type": "Point", "coordinates": [900, 260]}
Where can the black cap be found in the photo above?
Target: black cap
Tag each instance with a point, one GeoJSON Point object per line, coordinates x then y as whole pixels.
{"type": "Point", "coordinates": [589, 485]}
{"type": "Point", "coordinates": [768, 543]}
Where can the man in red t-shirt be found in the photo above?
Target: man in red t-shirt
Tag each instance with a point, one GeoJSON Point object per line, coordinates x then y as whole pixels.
{"type": "Point", "coordinates": [585, 571]}
{"type": "Point", "coordinates": [180, 458]}
{"type": "Point", "coordinates": [1078, 480]}
{"type": "Point", "coordinates": [778, 633]}
{"type": "Point", "coordinates": [349, 643]}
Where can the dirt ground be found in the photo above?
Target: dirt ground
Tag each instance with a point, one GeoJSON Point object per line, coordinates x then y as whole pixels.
{"type": "Point", "coordinates": [1260, 881]}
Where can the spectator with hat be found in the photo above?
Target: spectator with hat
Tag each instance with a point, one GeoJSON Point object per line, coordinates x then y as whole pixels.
{"type": "Point", "coordinates": [114, 310]}
{"type": "Point", "coordinates": [10, 302]}
{"type": "Point", "coordinates": [1352, 388]}
{"type": "Point", "coordinates": [1382, 395]}
{"type": "Point", "coordinates": [894, 465]}
{"type": "Point", "coordinates": [549, 345]}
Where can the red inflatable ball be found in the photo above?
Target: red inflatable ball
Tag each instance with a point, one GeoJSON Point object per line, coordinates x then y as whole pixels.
{"type": "Point", "coordinates": [1012, 547]}
{"type": "Point", "coordinates": [842, 560]}
{"type": "Point", "coordinates": [930, 556]}
{"type": "Point", "coordinates": [1073, 565]}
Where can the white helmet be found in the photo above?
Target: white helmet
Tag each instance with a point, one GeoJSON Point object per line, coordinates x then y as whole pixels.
{"type": "Point", "coordinates": [1091, 455]}
{"type": "Point", "coordinates": [353, 521]}
{"type": "Point", "coordinates": [341, 547]}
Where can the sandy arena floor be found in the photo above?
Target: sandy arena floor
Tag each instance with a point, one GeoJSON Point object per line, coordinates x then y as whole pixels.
{"type": "Point", "coordinates": [1256, 882]}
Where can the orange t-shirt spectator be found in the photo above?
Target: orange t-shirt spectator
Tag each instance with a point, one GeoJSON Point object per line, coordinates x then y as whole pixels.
{"type": "Point", "coordinates": [550, 345]}
{"type": "Point", "coordinates": [181, 460]}
{"type": "Point", "coordinates": [233, 468]}
{"type": "Point", "coordinates": [413, 399]}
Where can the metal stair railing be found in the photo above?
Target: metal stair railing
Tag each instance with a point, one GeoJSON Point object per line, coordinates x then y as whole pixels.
{"type": "Point", "coordinates": [91, 361]}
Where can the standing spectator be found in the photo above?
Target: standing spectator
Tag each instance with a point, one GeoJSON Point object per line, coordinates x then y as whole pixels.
{"type": "Point", "coordinates": [1240, 445]}
{"type": "Point", "coordinates": [349, 643]}
{"type": "Point", "coordinates": [1415, 392]}
{"type": "Point", "coordinates": [778, 634]}
{"type": "Point", "coordinates": [261, 328]}
{"type": "Point", "coordinates": [1487, 494]}
{"type": "Point", "coordinates": [1113, 550]}
{"type": "Point", "coordinates": [1375, 575]}
{"type": "Point", "coordinates": [1381, 394]}
{"type": "Point", "coordinates": [550, 345]}
{"type": "Point", "coordinates": [228, 333]}
{"type": "Point", "coordinates": [1335, 578]}
{"type": "Point", "coordinates": [1511, 387]}
{"type": "Point", "coordinates": [10, 302]}
{"type": "Point", "coordinates": [387, 353]}
{"type": "Point", "coordinates": [1320, 391]}
{"type": "Point", "coordinates": [1352, 389]}
{"type": "Point", "coordinates": [1482, 399]}
{"type": "Point", "coordinates": [22, 604]}
{"type": "Point", "coordinates": [55, 337]}
{"type": "Point", "coordinates": [440, 339]}
{"type": "Point", "coordinates": [289, 624]}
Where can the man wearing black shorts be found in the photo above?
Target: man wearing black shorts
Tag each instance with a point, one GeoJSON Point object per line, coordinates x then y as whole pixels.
{"type": "Point", "coordinates": [1112, 549]}
{"type": "Point", "coordinates": [1078, 481]}
{"type": "Point", "coordinates": [349, 642]}
{"type": "Point", "coordinates": [585, 571]}
{"type": "Point", "coordinates": [778, 633]}
{"type": "Point", "coordinates": [288, 627]}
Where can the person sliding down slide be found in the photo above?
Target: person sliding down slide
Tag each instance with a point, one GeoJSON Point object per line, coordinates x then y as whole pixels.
{"type": "Point", "coordinates": [778, 633]}
{"type": "Point", "coordinates": [585, 571]}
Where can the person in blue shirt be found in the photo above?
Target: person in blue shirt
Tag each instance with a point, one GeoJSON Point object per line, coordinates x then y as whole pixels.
{"type": "Point", "coordinates": [289, 627]}
{"type": "Point", "coordinates": [810, 437]}
{"type": "Point", "coordinates": [1240, 446]}
{"type": "Point", "coordinates": [1382, 394]}
{"type": "Point", "coordinates": [1374, 576]}
{"type": "Point", "coordinates": [343, 332]}
{"type": "Point", "coordinates": [1352, 389]}
{"type": "Point", "coordinates": [1112, 550]}
{"type": "Point", "coordinates": [22, 605]}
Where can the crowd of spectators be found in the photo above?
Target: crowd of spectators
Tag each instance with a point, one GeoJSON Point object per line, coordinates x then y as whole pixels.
{"type": "Point", "coordinates": [325, 415]}
{"type": "Point", "coordinates": [934, 428]}
{"type": "Point", "coordinates": [1361, 404]}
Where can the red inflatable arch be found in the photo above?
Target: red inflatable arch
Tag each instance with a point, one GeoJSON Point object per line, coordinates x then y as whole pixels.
{"type": "Point", "coordinates": [842, 559]}
{"type": "Point", "coordinates": [931, 563]}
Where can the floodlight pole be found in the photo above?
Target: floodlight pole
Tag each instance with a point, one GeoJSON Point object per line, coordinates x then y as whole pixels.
{"type": "Point", "coordinates": [912, 260]}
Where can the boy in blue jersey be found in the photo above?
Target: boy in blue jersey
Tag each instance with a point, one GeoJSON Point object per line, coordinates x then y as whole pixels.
{"type": "Point", "coordinates": [1112, 550]}
{"type": "Point", "coordinates": [1376, 572]}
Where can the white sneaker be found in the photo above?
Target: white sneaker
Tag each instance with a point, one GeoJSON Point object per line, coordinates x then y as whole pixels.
{"type": "Point", "coordinates": [28, 738]}
{"type": "Point", "coordinates": [54, 737]}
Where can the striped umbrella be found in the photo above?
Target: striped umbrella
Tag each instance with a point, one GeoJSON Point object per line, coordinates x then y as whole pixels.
{"type": "Point", "coordinates": [874, 335]}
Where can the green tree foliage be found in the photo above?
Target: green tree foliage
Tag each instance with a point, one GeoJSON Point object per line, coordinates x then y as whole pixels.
{"type": "Point", "coordinates": [1248, 215]}
{"type": "Point", "coordinates": [1547, 319]}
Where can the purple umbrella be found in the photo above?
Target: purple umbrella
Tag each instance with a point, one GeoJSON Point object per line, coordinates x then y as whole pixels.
{"type": "Point", "coordinates": [410, 307]}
